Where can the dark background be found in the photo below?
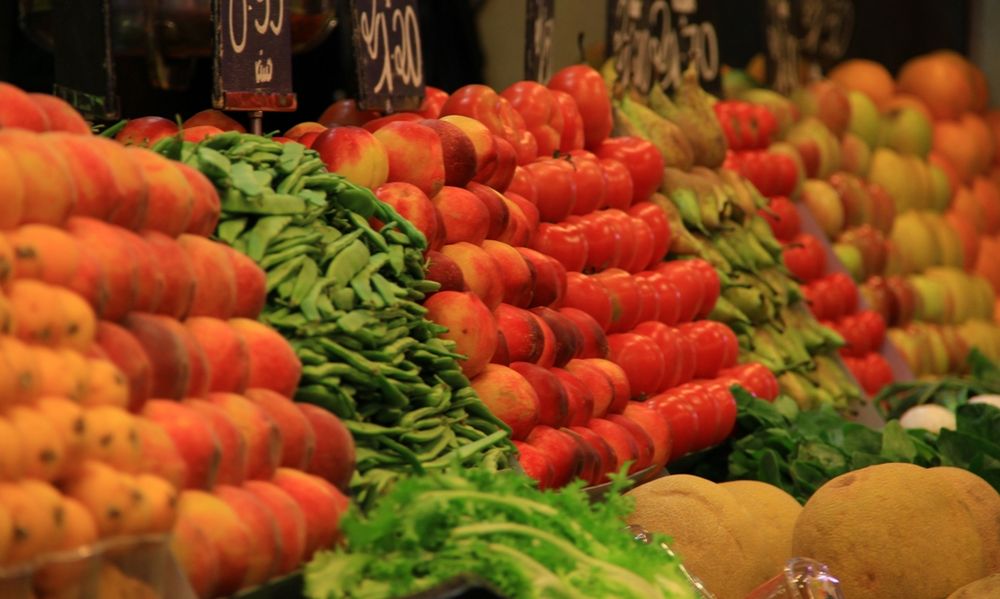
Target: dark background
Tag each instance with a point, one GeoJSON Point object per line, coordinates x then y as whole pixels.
{"type": "Point", "coordinates": [888, 31]}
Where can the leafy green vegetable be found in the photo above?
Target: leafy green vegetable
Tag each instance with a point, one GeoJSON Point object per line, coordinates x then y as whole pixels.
{"type": "Point", "coordinates": [800, 450]}
{"type": "Point", "coordinates": [497, 526]}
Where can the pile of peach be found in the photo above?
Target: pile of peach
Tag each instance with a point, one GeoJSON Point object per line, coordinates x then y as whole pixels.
{"type": "Point", "coordinates": [140, 396]}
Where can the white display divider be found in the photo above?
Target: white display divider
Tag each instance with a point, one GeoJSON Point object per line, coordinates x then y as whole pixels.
{"type": "Point", "coordinates": [865, 413]}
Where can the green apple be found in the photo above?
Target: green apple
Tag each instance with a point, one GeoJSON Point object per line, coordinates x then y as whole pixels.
{"type": "Point", "coordinates": [907, 131]}
{"type": "Point", "coordinates": [850, 257]}
{"type": "Point", "coordinates": [865, 119]}
{"type": "Point", "coordinates": [824, 203]}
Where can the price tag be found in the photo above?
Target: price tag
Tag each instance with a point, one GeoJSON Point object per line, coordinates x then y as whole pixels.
{"type": "Point", "coordinates": [253, 56]}
{"type": "Point", "coordinates": [388, 54]}
{"type": "Point", "coordinates": [782, 45]}
{"type": "Point", "coordinates": [84, 69]}
{"type": "Point", "coordinates": [653, 42]}
{"type": "Point", "coordinates": [825, 29]}
{"type": "Point", "coordinates": [538, 26]}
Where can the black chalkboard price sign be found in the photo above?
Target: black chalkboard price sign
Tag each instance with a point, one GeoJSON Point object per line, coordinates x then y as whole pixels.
{"type": "Point", "coordinates": [781, 40]}
{"type": "Point", "coordinates": [652, 42]}
{"type": "Point", "coordinates": [253, 56]}
{"type": "Point", "coordinates": [84, 69]}
{"type": "Point", "coordinates": [539, 23]}
{"type": "Point", "coordinates": [387, 53]}
{"type": "Point", "coordinates": [825, 28]}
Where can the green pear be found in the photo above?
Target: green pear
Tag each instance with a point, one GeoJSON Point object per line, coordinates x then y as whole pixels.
{"type": "Point", "coordinates": [692, 111]}
{"type": "Point", "coordinates": [825, 205]}
{"type": "Point", "coordinates": [665, 135]}
{"type": "Point", "coordinates": [940, 195]}
{"type": "Point", "coordinates": [916, 242]}
{"type": "Point", "coordinates": [934, 298]}
{"type": "Point", "coordinates": [890, 171]}
{"type": "Point", "coordinates": [865, 120]}
{"type": "Point", "coordinates": [907, 131]}
{"type": "Point", "coordinates": [818, 146]}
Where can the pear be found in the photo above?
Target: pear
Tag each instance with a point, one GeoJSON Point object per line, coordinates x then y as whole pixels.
{"type": "Point", "coordinates": [917, 244]}
{"type": "Point", "coordinates": [665, 135]}
{"type": "Point", "coordinates": [889, 170]}
{"type": "Point", "coordinates": [693, 113]}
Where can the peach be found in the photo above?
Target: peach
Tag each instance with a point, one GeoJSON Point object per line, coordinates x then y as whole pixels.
{"type": "Point", "coordinates": [33, 524]}
{"type": "Point", "coordinates": [13, 190]}
{"type": "Point", "coordinates": [125, 351]}
{"type": "Point", "coordinates": [535, 464]}
{"type": "Point", "coordinates": [567, 337]}
{"type": "Point", "coordinates": [550, 278]}
{"type": "Point", "coordinates": [519, 229]}
{"type": "Point", "coordinates": [524, 335]}
{"type": "Point", "coordinates": [227, 354]}
{"type": "Point", "coordinates": [160, 455]}
{"type": "Point", "coordinates": [415, 155]}
{"type": "Point", "coordinates": [619, 380]}
{"type": "Point", "coordinates": [127, 200]}
{"type": "Point", "coordinates": [91, 173]}
{"type": "Point", "coordinates": [499, 174]}
{"type": "Point", "coordinates": [298, 440]}
{"type": "Point", "coordinates": [206, 205]}
{"type": "Point", "coordinates": [547, 357]}
{"type": "Point", "coordinates": [464, 216]}
{"type": "Point", "coordinates": [225, 531]}
{"type": "Point", "coordinates": [355, 154]}
{"type": "Point", "coordinates": [413, 205]}
{"type": "Point", "coordinates": [193, 437]}
{"type": "Point", "coordinates": [300, 129]}
{"type": "Point", "coordinates": [104, 491]}
{"type": "Point", "coordinates": [561, 450]}
{"type": "Point", "coordinates": [516, 276]}
{"type": "Point", "coordinates": [111, 435]}
{"type": "Point", "coordinates": [150, 280]}
{"type": "Point", "coordinates": [593, 342]}
{"type": "Point", "coordinates": [178, 274]}
{"type": "Point", "coordinates": [656, 426]}
{"type": "Point", "coordinates": [43, 451]}
{"type": "Point", "coordinates": [273, 363]}
{"type": "Point", "coordinates": [145, 131]}
{"type": "Point", "coordinates": [457, 151]}
{"type": "Point", "coordinates": [232, 446]}
{"type": "Point", "coordinates": [79, 531]}
{"type": "Point", "coordinates": [622, 442]}
{"type": "Point", "coordinates": [199, 132]}
{"type": "Point", "coordinates": [321, 503]}
{"type": "Point", "coordinates": [553, 402]}
{"type": "Point", "coordinates": [605, 455]}
{"type": "Point", "coordinates": [402, 117]}
{"type": "Point", "coordinates": [482, 139]}
{"type": "Point", "coordinates": [49, 191]}
{"type": "Point", "coordinates": [196, 556]}
{"type": "Point", "coordinates": [334, 454]}
{"type": "Point", "coordinates": [346, 112]}
{"type": "Point", "coordinates": [579, 398]}
{"type": "Point", "coordinates": [199, 374]}
{"type": "Point", "coordinates": [118, 262]}
{"type": "Point", "coordinates": [260, 433]}
{"type": "Point", "coordinates": [214, 118]}
{"type": "Point", "coordinates": [21, 111]}
{"type": "Point", "coordinates": [510, 397]}
{"type": "Point", "coordinates": [215, 280]}
{"type": "Point", "coordinates": [479, 269]}
{"type": "Point", "coordinates": [251, 285]}
{"type": "Point", "coordinates": [495, 205]}
{"type": "Point", "coordinates": [500, 355]}
{"type": "Point", "coordinates": [594, 379]}
{"type": "Point", "coordinates": [165, 344]}
{"type": "Point", "coordinates": [289, 518]}
{"type": "Point", "coordinates": [444, 271]}
{"type": "Point", "coordinates": [470, 325]}
{"type": "Point", "coordinates": [162, 497]}
{"type": "Point", "coordinates": [592, 463]}
{"type": "Point", "coordinates": [265, 543]}
{"type": "Point", "coordinates": [644, 443]}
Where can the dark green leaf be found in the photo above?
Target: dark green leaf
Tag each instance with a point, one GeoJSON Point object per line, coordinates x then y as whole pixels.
{"type": "Point", "coordinates": [897, 444]}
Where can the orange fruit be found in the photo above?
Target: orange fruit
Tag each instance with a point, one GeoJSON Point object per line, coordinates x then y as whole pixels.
{"type": "Point", "coordinates": [867, 77]}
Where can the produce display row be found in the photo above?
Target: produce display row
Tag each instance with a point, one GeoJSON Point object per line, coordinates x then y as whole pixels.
{"type": "Point", "coordinates": [396, 348]}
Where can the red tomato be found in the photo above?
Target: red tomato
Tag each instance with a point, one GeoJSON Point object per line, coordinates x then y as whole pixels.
{"type": "Point", "coordinates": [743, 112]}
{"type": "Point", "coordinates": [556, 186]}
{"type": "Point", "coordinates": [642, 240]}
{"type": "Point", "coordinates": [649, 300]}
{"type": "Point", "coordinates": [725, 405]}
{"type": "Point", "coordinates": [587, 293]}
{"type": "Point", "coordinates": [622, 224]}
{"type": "Point", "coordinates": [434, 99]}
{"type": "Point", "coordinates": [565, 242]}
{"type": "Point", "coordinates": [846, 290]}
{"type": "Point", "coordinates": [715, 345]}
{"type": "Point", "coordinates": [523, 184]}
{"type": "Point", "coordinates": [711, 285]}
{"type": "Point", "coordinates": [618, 184]}
{"type": "Point", "coordinates": [587, 88]}
{"type": "Point", "coordinates": [755, 378]}
{"type": "Point", "coordinates": [704, 404]}
{"type": "Point", "coordinates": [656, 218]}
{"type": "Point", "coordinates": [690, 285]}
{"type": "Point", "coordinates": [682, 418]}
{"type": "Point", "coordinates": [542, 116]}
{"type": "Point", "coordinates": [804, 257]}
{"type": "Point", "coordinates": [668, 340]}
{"type": "Point", "coordinates": [786, 175]}
{"type": "Point", "coordinates": [877, 372]}
{"type": "Point", "coordinates": [874, 326]}
{"type": "Point", "coordinates": [624, 299]}
{"type": "Point", "coordinates": [668, 294]}
{"type": "Point", "coordinates": [783, 218]}
{"type": "Point", "coordinates": [643, 161]}
{"type": "Point", "coordinates": [572, 131]}
{"type": "Point", "coordinates": [686, 359]}
{"type": "Point", "coordinates": [603, 239]}
{"type": "Point", "coordinates": [641, 360]}
{"type": "Point", "coordinates": [590, 185]}
{"type": "Point", "coordinates": [817, 297]}
{"type": "Point", "coordinates": [767, 125]}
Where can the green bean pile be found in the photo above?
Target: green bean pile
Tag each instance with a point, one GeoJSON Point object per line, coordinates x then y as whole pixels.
{"type": "Point", "coordinates": [348, 298]}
